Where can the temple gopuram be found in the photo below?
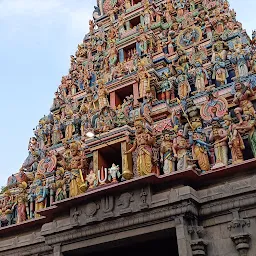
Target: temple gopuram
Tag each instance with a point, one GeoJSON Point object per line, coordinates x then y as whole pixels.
{"type": "Point", "coordinates": [150, 142]}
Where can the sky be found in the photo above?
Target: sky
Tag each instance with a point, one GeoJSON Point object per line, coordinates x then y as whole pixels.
{"type": "Point", "coordinates": [37, 38]}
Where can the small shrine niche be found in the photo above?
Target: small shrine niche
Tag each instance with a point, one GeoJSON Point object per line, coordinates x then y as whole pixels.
{"type": "Point", "coordinates": [109, 155]}
{"type": "Point", "coordinates": [118, 97]}
{"type": "Point", "coordinates": [134, 2]}
{"type": "Point", "coordinates": [134, 22]}
{"type": "Point", "coordinates": [129, 51]}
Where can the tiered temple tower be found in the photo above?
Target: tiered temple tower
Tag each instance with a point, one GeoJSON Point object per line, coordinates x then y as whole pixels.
{"type": "Point", "coordinates": [152, 130]}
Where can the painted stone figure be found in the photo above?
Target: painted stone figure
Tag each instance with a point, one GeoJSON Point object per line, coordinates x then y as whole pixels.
{"type": "Point", "coordinates": [102, 95]}
{"type": "Point", "coordinates": [242, 99]}
{"type": "Point", "coordinates": [220, 73]}
{"type": "Point", "coordinates": [143, 144]}
{"type": "Point", "coordinates": [201, 77]}
{"type": "Point", "coordinates": [22, 204]}
{"type": "Point", "coordinates": [166, 152]}
{"type": "Point", "coordinates": [142, 42]}
{"type": "Point", "coordinates": [235, 141]}
{"type": "Point", "coordinates": [200, 148]}
{"type": "Point", "coordinates": [219, 138]}
{"type": "Point", "coordinates": [184, 88]}
{"type": "Point", "coordinates": [143, 78]}
{"type": "Point", "coordinates": [77, 163]}
{"type": "Point", "coordinates": [114, 173]}
{"type": "Point", "coordinates": [56, 131]}
{"type": "Point", "coordinates": [37, 195]}
{"type": "Point", "coordinates": [7, 209]}
{"type": "Point", "coordinates": [180, 149]}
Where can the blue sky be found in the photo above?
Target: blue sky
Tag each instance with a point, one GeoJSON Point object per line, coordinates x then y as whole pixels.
{"type": "Point", "coordinates": [37, 38]}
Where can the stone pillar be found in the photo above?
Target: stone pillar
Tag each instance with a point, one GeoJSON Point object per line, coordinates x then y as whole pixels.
{"type": "Point", "coordinates": [136, 93]}
{"type": "Point", "coordinates": [183, 237]}
{"type": "Point", "coordinates": [126, 162]}
{"type": "Point", "coordinates": [238, 233]}
{"type": "Point", "coordinates": [121, 55]}
{"type": "Point", "coordinates": [128, 25]}
{"type": "Point", "coordinates": [113, 100]}
{"type": "Point", "coordinates": [57, 250]}
{"type": "Point", "coordinates": [95, 161]}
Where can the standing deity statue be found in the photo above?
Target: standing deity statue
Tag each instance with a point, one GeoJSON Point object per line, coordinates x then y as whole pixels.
{"type": "Point", "coordinates": [200, 148]}
{"type": "Point", "coordinates": [22, 203]}
{"type": "Point", "coordinates": [241, 98]}
{"type": "Point", "coordinates": [76, 164]}
{"type": "Point", "coordinates": [60, 185]}
{"type": "Point", "coordinates": [180, 149]}
{"type": "Point", "coordinates": [143, 144]}
{"type": "Point", "coordinates": [201, 77]}
{"type": "Point", "coordinates": [184, 88]}
{"type": "Point", "coordinates": [147, 13]}
{"type": "Point", "coordinates": [37, 195]}
{"type": "Point", "coordinates": [219, 136]}
{"type": "Point", "coordinates": [239, 58]}
{"type": "Point", "coordinates": [166, 152]}
{"type": "Point", "coordinates": [235, 141]}
{"type": "Point", "coordinates": [142, 42]}
{"type": "Point", "coordinates": [143, 78]}
{"type": "Point", "coordinates": [112, 55]}
{"type": "Point", "coordinates": [102, 95]}
{"type": "Point", "coordinates": [249, 126]}
{"type": "Point", "coordinates": [7, 209]}
{"type": "Point", "coordinates": [167, 87]}
{"type": "Point", "coordinates": [220, 73]}
{"type": "Point", "coordinates": [56, 131]}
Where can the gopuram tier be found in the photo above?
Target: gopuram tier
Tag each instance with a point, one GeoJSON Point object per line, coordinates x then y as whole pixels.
{"type": "Point", "coordinates": [159, 92]}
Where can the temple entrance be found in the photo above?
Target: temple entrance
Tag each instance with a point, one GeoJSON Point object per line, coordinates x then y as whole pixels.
{"type": "Point", "coordinates": [148, 244]}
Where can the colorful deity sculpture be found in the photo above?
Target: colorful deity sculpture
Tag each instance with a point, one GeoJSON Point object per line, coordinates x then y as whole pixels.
{"type": "Point", "coordinates": [166, 151]}
{"type": "Point", "coordinates": [200, 148]}
{"type": "Point", "coordinates": [143, 78]}
{"type": "Point", "coordinates": [184, 88]}
{"type": "Point", "coordinates": [143, 144]}
{"type": "Point", "coordinates": [181, 150]}
{"type": "Point", "coordinates": [57, 133]}
{"type": "Point", "coordinates": [22, 204]}
{"type": "Point", "coordinates": [7, 209]}
{"type": "Point", "coordinates": [235, 141]}
{"type": "Point", "coordinates": [75, 166]}
{"type": "Point", "coordinates": [219, 137]}
{"type": "Point", "coordinates": [60, 185]}
{"type": "Point", "coordinates": [220, 73]}
{"type": "Point", "coordinates": [242, 99]}
{"type": "Point", "coordinates": [102, 94]}
{"type": "Point", "coordinates": [142, 42]}
{"type": "Point", "coordinates": [37, 196]}
{"type": "Point", "coordinates": [248, 125]}
{"type": "Point", "coordinates": [114, 173]}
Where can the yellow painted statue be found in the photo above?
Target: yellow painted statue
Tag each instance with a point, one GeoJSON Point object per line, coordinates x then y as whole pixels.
{"type": "Point", "coordinates": [143, 144]}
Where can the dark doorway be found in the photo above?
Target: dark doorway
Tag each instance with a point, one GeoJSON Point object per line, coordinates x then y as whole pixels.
{"type": "Point", "coordinates": [148, 245]}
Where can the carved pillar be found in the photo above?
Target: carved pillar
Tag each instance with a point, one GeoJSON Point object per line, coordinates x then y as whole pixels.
{"type": "Point", "coordinates": [95, 161]}
{"type": "Point", "coordinates": [183, 239]}
{"type": "Point", "coordinates": [113, 100]}
{"type": "Point", "coordinates": [198, 244]}
{"type": "Point", "coordinates": [126, 162]}
{"type": "Point", "coordinates": [57, 250]}
{"type": "Point", "coordinates": [136, 93]}
{"type": "Point", "coordinates": [128, 25]}
{"type": "Point", "coordinates": [239, 236]}
{"type": "Point", "coordinates": [121, 55]}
